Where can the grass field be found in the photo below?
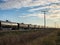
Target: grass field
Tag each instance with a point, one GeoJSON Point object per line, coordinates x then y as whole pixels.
{"type": "Point", "coordinates": [37, 37]}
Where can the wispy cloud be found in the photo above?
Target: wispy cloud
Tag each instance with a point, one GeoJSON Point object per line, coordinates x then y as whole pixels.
{"type": "Point", "coordinates": [24, 16]}
{"type": "Point", "coordinates": [55, 11]}
{"type": "Point", "coordinates": [10, 4]}
{"type": "Point", "coordinates": [51, 6]}
{"type": "Point", "coordinates": [49, 16]}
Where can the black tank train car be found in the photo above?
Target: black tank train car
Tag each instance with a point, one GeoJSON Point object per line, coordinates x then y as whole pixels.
{"type": "Point", "coordinates": [8, 25]}
{"type": "Point", "coordinates": [0, 25]}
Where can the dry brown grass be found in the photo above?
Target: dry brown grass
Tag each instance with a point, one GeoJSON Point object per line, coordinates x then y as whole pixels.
{"type": "Point", "coordinates": [46, 37]}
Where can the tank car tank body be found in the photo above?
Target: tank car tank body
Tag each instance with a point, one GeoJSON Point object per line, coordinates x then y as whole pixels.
{"type": "Point", "coordinates": [8, 25]}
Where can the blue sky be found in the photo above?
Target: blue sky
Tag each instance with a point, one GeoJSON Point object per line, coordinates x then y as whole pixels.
{"type": "Point", "coordinates": [30, 11]}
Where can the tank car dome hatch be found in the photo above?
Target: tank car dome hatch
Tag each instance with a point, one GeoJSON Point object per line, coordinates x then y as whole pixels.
{"type": "Point", "coordinates": [7, 20]}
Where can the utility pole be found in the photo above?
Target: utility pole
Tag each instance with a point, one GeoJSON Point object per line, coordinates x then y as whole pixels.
{"type": "Point", "coordinates": [44, 18]}
{"type": "Point", "coordinates": [55, 25]}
